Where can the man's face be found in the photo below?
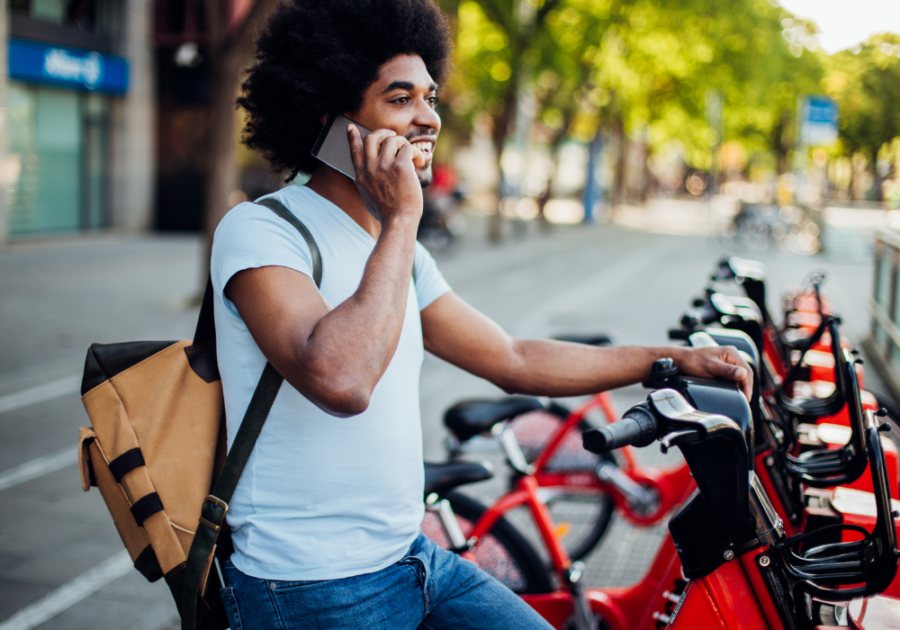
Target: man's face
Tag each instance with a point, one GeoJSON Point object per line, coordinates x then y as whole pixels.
{"type": "Point", "coordinates": [402, 99]}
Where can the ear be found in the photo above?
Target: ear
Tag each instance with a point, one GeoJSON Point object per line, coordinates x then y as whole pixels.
{"type": "Point", "coordinates": [323, 119]}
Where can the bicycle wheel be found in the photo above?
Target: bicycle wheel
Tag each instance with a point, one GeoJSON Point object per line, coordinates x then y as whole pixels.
{"type": "Point", "coordinates": [582, 514]}
{"type": "Point", "coordinates": [581, 517]}
{"type": "Point", "coordinates": [503, 553]}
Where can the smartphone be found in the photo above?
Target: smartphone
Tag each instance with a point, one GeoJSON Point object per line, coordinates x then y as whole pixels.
{"type": "Point", "coordinates": [333, 145]}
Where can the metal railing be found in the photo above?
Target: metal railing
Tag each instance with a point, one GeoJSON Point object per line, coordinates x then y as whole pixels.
{"type": "Point", "coordinates": [883, 344]}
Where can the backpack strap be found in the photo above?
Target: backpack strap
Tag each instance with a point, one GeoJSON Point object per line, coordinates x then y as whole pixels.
{"type": "Point", "coordinates": [215, 506]}
{"type": "Point", "coordinates": [278, 208]}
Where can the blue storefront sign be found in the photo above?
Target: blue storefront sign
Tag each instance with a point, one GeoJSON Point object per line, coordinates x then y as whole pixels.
{"type": "Point", "coordinates": [72, 68]}
{"type": "Point", "coordinates": [819, 121]}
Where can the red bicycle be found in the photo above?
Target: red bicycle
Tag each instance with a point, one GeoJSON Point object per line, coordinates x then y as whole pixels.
{"type": "Point", "coordinates": [648, 603]}
{"type": "Point", "coordinates": [651, 598]}
{"type": "Point", "coordinates": [741, 570]}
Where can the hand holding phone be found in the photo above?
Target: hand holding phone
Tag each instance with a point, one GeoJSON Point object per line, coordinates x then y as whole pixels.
{"type": "Point", "coordinates": [382, 163]}
{"type": "Point", "coordinates": [333, 147]}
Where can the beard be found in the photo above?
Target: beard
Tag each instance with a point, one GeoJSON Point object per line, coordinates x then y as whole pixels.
{"type": "Point", "coordinates": [425, 176]}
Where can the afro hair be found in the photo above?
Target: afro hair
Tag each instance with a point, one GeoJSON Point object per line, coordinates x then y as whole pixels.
{"type": "Point", "coordinates": [315, 59]}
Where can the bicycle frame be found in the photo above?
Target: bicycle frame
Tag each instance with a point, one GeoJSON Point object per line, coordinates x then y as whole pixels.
{"type": "Point", "coordinates": [628, 606]}
{"type": "Point", "coordinates": [651, 600]}
{"type": "Point", "coordinates": [666, 484]}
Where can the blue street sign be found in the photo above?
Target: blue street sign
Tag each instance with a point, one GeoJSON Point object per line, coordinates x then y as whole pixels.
{"type": "Point", "coordinates": [71, 68]}
{"type": "Point", "coordinates": [820, 121]}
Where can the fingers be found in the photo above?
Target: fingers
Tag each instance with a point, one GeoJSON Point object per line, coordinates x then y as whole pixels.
{"type": "Point", "coordinates": [393, 150]}
{"type": "Point", "coordinates": [418, 157]}
{"type": "Point", "coordinates": [719, 362]}
{"type": "Point", "coordinates": [374, 141]}
{"type": "Point", "coordinates": [736, 369]}
{"type": "Point", "coordinates": [356, 147]}
{"type": "Point", "coordinates": [381, 147]}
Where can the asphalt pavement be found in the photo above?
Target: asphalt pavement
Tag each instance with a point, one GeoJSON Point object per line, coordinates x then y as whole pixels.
{"type": "Point", "coordinates": [61, 562]}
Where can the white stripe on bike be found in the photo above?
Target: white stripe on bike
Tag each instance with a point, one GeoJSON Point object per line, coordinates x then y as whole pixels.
{"type": "Point", "coordinates": [38, 467]}
{"type": "Point", "coordinates": [603, 282]}
{"type": "Point", "coordinates": [70, 593]}
{"type": "Point", "coordinates": [40, 393]}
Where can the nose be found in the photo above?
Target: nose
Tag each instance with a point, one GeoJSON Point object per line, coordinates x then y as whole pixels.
{"type": "Point", "coordinates": [426, 116]}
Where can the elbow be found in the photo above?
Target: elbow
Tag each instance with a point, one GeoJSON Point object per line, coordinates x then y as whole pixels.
{"type": "Point", "coordinates": [346, 404]}
{"type": "Point", "coordinates": [338, 391]}
{"type": "Point", "coordinates": [508, 383]}
{"type": "Point", "coordinates": [507, 374]}
{"type": "Point", "coordinates": [339, 398]}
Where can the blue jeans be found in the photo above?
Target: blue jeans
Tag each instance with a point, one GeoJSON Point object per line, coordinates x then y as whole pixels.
{"type": "Point", "coordinates": [429, 589]}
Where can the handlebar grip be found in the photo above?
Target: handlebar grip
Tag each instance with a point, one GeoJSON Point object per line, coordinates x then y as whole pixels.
{"type": "Point", "coordinates": [677, 334]}
{"type": "Point", "coordinates": [638, 427]}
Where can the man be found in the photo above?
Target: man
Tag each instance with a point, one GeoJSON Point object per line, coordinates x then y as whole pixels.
{"type": "Point", "coordinates": [326, 516]}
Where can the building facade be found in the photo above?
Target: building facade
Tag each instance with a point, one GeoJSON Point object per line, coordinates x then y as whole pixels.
{"type": "Point", "coordinates": [79, 122]}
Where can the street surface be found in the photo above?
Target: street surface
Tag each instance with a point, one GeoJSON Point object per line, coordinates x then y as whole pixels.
{"type": "Point", "coordinates": [61, 564]}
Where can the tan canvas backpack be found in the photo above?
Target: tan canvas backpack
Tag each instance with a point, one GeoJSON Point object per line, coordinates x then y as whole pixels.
{"type": "Point", "coordinates": [156, 450]}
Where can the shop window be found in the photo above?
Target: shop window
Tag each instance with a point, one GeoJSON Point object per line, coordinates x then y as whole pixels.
{"type": "Point", "coordinates": [93, 206]}
{"type": "Point", "coordinates": [88, 16]}
{"type": "Point", "coordinates": [57, 156]}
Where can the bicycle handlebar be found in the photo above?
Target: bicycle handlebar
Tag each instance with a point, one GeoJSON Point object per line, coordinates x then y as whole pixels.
{"type": "Point", "coordinates": [638, 427]}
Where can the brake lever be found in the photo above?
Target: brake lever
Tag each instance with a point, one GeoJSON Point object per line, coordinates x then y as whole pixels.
{"type": "Point", "coordinates": [680, 437]}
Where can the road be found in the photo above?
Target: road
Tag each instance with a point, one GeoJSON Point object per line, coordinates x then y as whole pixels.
{"type": "Point", "coordinates": [61, 564]}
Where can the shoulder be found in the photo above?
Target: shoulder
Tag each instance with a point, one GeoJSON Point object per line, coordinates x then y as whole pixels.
{"type": "Point", "coordinates": [251, 235]}
{"type": "Point", "coordinates": [251, 221]}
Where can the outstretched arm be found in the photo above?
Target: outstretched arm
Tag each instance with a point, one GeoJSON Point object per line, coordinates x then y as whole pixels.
{"type": "Point", "coordinates": [461, 335]}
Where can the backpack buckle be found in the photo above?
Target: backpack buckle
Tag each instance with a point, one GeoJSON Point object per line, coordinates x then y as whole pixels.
{"type": "Point", "coordinates": [216, 509]}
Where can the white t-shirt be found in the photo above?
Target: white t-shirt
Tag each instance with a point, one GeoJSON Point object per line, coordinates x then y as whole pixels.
{"type": "Point", "coordinates": [321, 497]}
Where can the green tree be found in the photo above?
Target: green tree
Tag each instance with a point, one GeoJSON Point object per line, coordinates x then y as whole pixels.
{"type": "Point", "coordinates": [865, 82]}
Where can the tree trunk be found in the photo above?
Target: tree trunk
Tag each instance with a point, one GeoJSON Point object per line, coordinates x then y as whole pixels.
{"type": "Point", "coordinates": [877, 181]}
{"type": "Point", "coordinates": [543, 223]}
{"type": "Point", "coordinates": [228, 55]}
{"type": "Point", "coordinates": [222, 176]}
{"type": "Point", "coordinates": [499, 133]}
{"type": "Point", "coordinates": [618, 193]}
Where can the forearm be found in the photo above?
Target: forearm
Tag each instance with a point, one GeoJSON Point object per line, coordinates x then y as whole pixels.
{"type": "Point", "coordinates": [556, 368]}
{"type": "Point", "coordinates": [350, 347]}
{"type": "Point", "coordinates": [459, 334]}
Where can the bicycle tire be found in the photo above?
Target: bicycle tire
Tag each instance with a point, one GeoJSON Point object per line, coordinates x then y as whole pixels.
{"type": "Point", "coordinates": [502, 553]}
{"type": "Point", "coordinates": [586, 515]}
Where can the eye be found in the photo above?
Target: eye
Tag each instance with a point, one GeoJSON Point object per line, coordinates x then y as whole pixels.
{"type": "Point", "coordinates": [403, 100]}
{"type": "Point", "coordinates": [432, 100]}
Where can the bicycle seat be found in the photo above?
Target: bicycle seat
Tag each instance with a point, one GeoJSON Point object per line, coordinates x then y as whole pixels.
{"type": "Point", "coordinates": [441, 478]}
{"type": "Point", "coordinates": [589, 340]}
{"type": "Point", "coordinates": [469, 418]}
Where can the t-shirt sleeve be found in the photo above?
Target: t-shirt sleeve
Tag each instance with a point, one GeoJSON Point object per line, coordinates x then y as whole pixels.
{"type": "Point", "coordinates": [430, 282]}
{"type": "Point", "coordinates": [252, 236]}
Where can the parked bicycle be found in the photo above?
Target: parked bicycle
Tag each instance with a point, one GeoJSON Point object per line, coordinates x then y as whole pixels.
{"type": "Point", "coordinates": [637, 600]}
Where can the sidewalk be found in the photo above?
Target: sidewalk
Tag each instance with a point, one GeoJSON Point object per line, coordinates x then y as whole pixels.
{"type": "Point", "coordinates": [57, 298]}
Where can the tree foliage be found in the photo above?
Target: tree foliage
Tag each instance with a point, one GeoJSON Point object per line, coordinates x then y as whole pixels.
{"type": "Point", "coordinates": [865, 82]}
{"type": "Point", "coordinates": [648, 65]}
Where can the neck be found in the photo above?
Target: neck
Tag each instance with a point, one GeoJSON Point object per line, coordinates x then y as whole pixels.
{"type": "Point", "coordinates": [342, 192]}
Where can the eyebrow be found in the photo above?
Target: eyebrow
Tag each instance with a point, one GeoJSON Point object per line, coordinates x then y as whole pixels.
{"type": "Point", "coordinates": [406, 85]}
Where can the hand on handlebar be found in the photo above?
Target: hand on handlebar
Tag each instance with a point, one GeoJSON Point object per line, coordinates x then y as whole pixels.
{"type": "Point", "coordinates": [718, 362]}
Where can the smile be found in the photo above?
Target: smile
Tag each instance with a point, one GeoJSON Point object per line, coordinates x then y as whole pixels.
{"type": "Point", "coordinates": [425, 146]}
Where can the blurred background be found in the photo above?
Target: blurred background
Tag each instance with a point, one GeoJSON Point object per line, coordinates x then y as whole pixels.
{"type": "Point", "coordinates": [118, 116]}
{"type": "Point", "coordinates": [597, 158]}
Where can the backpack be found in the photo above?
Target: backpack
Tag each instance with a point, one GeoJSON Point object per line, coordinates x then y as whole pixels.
{"type": "Point", "coordinates": [156, 449]}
